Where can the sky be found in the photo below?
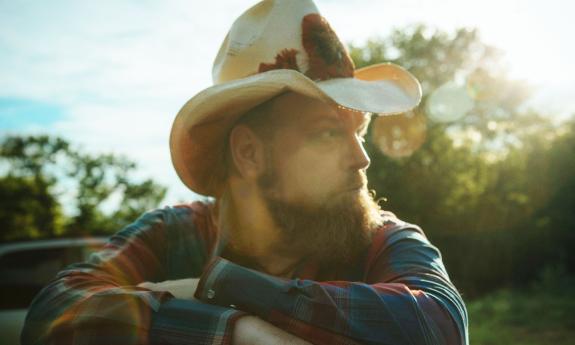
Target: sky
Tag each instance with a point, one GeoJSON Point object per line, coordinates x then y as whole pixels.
{"type": "Point", "coordinates": [110, 75]}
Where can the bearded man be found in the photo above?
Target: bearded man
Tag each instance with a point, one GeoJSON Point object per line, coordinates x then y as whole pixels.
{"type": "Point", "coordinates": [293, 250]}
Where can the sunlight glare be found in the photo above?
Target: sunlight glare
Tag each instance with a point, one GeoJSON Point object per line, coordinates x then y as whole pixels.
{"type": "Point", "coordinates": [399, 135]}
{"type": "Point", "coordinates": [449, 102]}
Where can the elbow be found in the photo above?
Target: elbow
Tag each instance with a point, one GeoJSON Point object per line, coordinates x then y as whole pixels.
{"type": "Point", "coordinates": [51, 312]}
{"type": "Point", "coordinates": [446, 319]}
{"type": "Point", "coordinates": [37, 323]}
{"type": "Point", "coordinates": [34, 331]}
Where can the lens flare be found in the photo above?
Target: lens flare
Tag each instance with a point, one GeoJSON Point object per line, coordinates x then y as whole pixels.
{"type": "Point", "coordinates": [478, 85]}
{"type": "Point", "coordinates": [399, 135]}
{"type": "Point", "coordinates": [449, 102]}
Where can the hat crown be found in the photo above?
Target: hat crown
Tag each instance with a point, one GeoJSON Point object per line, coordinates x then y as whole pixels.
{"type": "Point", "coordinates": [276, 46]}
{"type": "Point", "coordinates": [282, 34]}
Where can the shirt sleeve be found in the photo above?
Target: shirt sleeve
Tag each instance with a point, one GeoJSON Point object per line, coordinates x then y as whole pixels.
{"type": "Point", "coordinates": [99, 302]}
{"type": "Point", "coordinates": [406, 296]}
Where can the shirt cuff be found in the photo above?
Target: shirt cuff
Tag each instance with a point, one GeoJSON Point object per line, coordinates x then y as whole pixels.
{"type": "Point", "coordinates": [180, 321]}
{"type": "Point", "coordinates": [225, 283]}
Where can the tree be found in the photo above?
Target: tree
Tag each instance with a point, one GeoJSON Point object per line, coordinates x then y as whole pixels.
{"type": "Point", "coordinates": [28, 209]}
{"type": "Point", "coordinates": [466, 158]}
{"type": "Point", "coordinates": [484, 181]}
{"type": "Point", "coordinates": [438, 59]}
{"type": "Point", "coordinates": [39, 171]}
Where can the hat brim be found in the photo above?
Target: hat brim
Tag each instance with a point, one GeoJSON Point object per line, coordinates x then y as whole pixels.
{"type": "Point", "coordinates": [199, 132]}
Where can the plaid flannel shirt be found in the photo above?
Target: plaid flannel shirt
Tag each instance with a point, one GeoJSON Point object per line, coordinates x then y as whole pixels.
{"type": "Point", "coordinates": [401, 294]}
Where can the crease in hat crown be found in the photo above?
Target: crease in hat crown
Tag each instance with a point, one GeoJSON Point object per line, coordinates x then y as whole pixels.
{"type": "Point", "coordinates": [281, 34]}
{"type": "Point", "coordinates": [274, 47]}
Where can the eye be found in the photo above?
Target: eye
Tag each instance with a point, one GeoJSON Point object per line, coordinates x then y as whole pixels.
{"type": "Point", "coordinates": [330, 134]}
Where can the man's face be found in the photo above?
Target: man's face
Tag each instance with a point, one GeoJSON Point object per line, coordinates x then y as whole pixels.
{"type": "Point", "coordinates": [315, 184]}
{"type": "Point", "coordinates": [317, 151]}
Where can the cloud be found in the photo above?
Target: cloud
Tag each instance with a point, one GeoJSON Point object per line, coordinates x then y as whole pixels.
{"type": "Point", "coordinates": [117, 72]}
{"type": "Point", "coordinates": [111, 75]}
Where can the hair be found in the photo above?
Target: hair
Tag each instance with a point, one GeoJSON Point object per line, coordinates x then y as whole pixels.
{"type": "Point", "coordinates": [260, 120]}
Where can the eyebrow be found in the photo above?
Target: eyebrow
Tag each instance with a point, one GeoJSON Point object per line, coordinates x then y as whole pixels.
{"type": "Point", "coordinates": [362, 128]}
{"type": "Point", "coordinates": [320, 120]}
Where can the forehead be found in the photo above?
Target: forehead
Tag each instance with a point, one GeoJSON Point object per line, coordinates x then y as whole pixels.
{"type": "Point", "coordinates": [294, 110]}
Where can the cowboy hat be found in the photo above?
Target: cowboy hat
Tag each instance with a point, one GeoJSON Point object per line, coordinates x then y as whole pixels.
{"type": "Point", "coordinates": [275, 47]}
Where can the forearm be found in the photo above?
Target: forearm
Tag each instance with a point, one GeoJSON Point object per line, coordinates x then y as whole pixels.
{"type": "Point", "coordinates": [79, 309]}
{"type": "Point", "coordinates": [248, 330]}
{"type": "Point", "coordinates": [99, 302]}
{"type": "Point", "coordinates": [406, 289]}
{"type": "Point", "coordinates": [345, 312]}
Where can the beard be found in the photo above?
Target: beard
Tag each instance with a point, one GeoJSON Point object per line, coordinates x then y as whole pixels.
{"type": "Point", "coordinates": [337, 232]}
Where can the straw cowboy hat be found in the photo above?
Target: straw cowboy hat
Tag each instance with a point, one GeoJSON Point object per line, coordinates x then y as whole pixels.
{"type": "Point", "coordinates": [274, 47]}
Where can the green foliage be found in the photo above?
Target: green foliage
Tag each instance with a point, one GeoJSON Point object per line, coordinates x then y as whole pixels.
{"type": "Point", "coordinates": [494, 190]}
{"type": "Point", "coordinates": [32, 155]}
{"type": "Point", "coordinates": [27, 209]}
{"type": "Point", "coordinates": [540, 314]}
{"type": "Point", "coordinates": [437, 58]}
{"type": "Point", "coordinates": [433, 57]}
{"type": "Point", "coordinates": [40, 170]}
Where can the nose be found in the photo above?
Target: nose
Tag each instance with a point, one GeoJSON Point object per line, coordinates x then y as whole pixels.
{"type": "Point", "coordinates": [358, 157]}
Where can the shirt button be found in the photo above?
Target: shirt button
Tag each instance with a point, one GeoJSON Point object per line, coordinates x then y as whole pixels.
{"type": "Point", "coordinates": [211, 294]}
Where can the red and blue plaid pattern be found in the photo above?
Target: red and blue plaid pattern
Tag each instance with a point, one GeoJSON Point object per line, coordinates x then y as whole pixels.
{"type": "Point", "coordinates": [401, 294]}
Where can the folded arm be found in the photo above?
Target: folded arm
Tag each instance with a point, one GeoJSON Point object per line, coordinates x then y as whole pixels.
{"type": "Point", "coordinates": [405, 298]}
{"type": "Point", "coordinates": [100, 302]}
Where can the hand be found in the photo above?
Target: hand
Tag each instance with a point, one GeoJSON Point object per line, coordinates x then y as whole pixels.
{"type": "Point", "coordinates": [251, 330]}
{"type": "Point", "coordinates": [182, 288]}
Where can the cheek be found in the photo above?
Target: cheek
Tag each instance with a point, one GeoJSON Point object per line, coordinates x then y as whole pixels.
{"type": "Point", "coordinates": [309, 175]}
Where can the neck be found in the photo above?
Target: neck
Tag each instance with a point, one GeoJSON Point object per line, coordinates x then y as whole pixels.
{"type": "Point", "coordinates": [252, 233]}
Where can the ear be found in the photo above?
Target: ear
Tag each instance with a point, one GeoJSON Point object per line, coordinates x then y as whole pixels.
{"type": "Point", "coordinates": [247, 151]}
